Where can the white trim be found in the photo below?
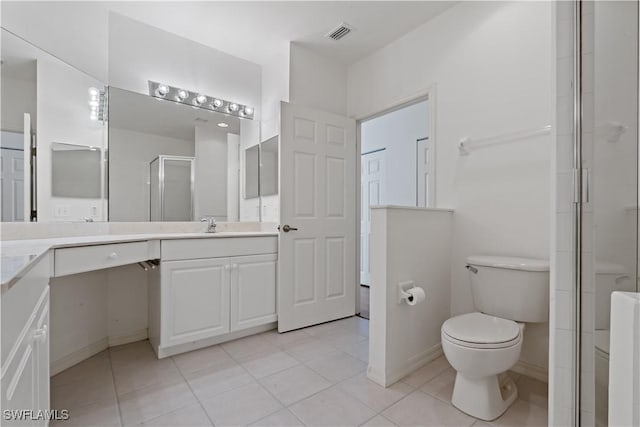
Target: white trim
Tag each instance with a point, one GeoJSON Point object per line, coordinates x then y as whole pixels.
{"type": "Point", "coordinates": [534, 371]}
{"type": "Point", "coordinates": [139, 335]}
{"type": "Point", "coordinates": [78, 356]}
{"type": "Point", "coordinates": [182, 348]}
{"type": "Point", "coordinates": [386, 379]}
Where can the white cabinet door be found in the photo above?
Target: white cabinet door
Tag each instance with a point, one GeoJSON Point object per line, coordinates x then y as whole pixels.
{"type": "Point", "coordinates": [41, 354]}
{"type": "Point", "coordinates": [195, 300]}
{"type": "Point", "coordinates": [253, 291]}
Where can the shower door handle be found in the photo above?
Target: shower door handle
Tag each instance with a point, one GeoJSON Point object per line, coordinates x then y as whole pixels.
{"type": "Point", "coordinates": [586, 185]}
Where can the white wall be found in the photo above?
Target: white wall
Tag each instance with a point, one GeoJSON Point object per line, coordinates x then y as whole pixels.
{"type": "Point", "coordinates": [139, 52]}
{"type": "Point", "coordinates": [130, 153]}
{"type": "Point", "coordinates": [58, 27]}
{"type": "Point", "coordinates": [403, 338]}
{"type": "Point", "coordinates": [275, 88]}
{"type": "Point", "coordinates": [490, 65]}
{"type": "Point", "coordinates": [18, 97]}
{"type": "Point", "coordinates": [397, 132]}
{"type": "Point", "coordinates": [317, 81]}
{"type": "Point", "coordinates": [211, 173]}
{"type": "Point", "coordinates": [63, 116]}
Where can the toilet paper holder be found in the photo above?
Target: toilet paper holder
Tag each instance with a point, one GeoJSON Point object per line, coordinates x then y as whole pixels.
{"type": "Point", "coordinates": [403, 295]}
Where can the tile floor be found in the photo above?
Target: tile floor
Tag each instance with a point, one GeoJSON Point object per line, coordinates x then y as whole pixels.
{"type": "Point", "coordinates": [313, 377]}
{"type": "Point", "coordinates": [364, 301]}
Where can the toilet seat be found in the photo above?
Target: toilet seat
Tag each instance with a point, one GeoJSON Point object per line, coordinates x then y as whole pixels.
{"type": "Point", "coordinates": [478, 330]}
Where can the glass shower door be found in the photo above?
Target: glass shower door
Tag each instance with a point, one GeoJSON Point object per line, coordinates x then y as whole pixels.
{"type": "Point", "coordinates": [609, 82]}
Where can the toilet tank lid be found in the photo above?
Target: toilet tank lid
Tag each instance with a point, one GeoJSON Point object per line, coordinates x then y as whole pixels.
{"type": "Point", "coordinates": [511, 263]}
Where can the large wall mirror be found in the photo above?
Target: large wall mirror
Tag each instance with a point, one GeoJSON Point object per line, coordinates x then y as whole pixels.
{"type": "Point", "coordinates": [53, 137]}
{"type": "Point", "coordinates": [174, 162]}
{"type": "Point", "coordinates": [104, 153]}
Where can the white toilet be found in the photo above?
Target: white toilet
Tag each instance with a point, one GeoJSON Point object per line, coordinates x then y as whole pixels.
{"type": "Point", "coordinates": [481, 345]}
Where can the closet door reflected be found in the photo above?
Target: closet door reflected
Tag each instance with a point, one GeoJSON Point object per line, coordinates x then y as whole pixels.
{"type": "Point", "coordinates": [610, 186]}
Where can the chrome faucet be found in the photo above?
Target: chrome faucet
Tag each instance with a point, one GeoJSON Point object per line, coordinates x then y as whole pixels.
{"type": "Point", "coordinates": [211, 223]}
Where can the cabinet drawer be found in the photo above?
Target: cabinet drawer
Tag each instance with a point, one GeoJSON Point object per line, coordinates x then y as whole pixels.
{"type": "Point", "coordinates": [88, 258]}
{"type": "Point", "coordinates": [217, 247]}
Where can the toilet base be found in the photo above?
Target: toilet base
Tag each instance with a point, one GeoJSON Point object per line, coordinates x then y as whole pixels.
{"type": "Point", "coordinates": [484, 398]}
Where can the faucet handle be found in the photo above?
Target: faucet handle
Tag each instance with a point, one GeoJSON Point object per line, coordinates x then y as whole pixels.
{"type": "Point", "coordinates": [211, 223]}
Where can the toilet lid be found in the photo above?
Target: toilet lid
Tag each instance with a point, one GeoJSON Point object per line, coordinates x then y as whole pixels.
{"type": "Point", "coordinates": [479, 328]}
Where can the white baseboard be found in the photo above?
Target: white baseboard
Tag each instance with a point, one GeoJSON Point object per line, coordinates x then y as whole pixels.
{"type": "Point", "coordinates": [530, 370]}
{"type": "Point", "coordinates": [139, 335]}
{"type": "Point", "coordinates": [182, 348]}
{"type": "Point", "coordinates": [57, 366]}
{"type": "Point", "coordinates": [394, 375]}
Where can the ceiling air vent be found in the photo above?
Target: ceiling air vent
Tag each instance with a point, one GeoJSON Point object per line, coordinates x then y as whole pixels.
{"type": "Point", "coordinates": [340, 31]}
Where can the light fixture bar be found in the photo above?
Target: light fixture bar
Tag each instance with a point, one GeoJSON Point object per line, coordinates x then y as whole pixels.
{"type": "Point", "coordinates": [97, 104]}
{"type": "Point", "coordinates": [199, 100]}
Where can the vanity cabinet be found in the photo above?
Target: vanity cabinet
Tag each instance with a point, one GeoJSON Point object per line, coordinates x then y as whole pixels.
{"type": "Point", "coordinates": [25, 345]}
{"type": "Point", "coordinates": [195, 295]}
{"type": "Point", "coordinates": [211, 298]}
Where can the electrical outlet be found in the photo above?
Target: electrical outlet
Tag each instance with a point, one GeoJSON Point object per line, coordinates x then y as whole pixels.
{"type": "Point", "coordinates": [62, 211]}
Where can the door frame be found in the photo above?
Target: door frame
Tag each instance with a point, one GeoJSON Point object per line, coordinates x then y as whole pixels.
{"type": "Point", "coordinates": [427, 94]}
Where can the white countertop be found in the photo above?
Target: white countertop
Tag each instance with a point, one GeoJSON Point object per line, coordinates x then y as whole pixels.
{"type": "Point", "coordinates": [18, 256]}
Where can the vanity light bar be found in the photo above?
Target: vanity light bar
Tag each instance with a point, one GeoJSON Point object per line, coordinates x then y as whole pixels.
{"type": "Point", "coordinates": [195, 99]}
{"type": "Point", "coordinates": [97, 104]}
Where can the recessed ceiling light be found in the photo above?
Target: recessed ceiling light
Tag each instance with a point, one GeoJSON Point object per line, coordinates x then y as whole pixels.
{"type": "Point", "coordinates": [223, 125]}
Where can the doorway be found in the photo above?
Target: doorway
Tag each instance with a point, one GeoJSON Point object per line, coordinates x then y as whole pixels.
{"type": "Point", "coordinates": [396, 168]}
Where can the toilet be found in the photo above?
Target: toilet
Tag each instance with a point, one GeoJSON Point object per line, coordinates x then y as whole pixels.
{"type": "Point", "coordinates": [609, 277]}
{"type": "Point", "coordinates": [507, 293]}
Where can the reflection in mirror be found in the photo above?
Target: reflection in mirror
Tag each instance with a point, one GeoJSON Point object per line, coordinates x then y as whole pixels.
{"type": "Point", "coordinates": [172, 187]}
{"type": "Point", "coordinates": [75, 171]}
{"type": "Point", "coordinates": [269, 167]}
{"type": "Point", "coordinates": [145, 133]}
{"type": "Point", "coordinates": [46, 101]}
{"type": "Point", "coordinates": [252, 164]}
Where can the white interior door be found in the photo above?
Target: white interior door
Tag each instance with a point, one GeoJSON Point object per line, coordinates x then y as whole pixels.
{"type": "Point", "coordinates": [372, 173]}
{"type": "Point", "coordinates": [317, 250]}
{"type": "Point", "coordinates": [12, 184]}
{"type": "Point", "coordinates": [423, 165]}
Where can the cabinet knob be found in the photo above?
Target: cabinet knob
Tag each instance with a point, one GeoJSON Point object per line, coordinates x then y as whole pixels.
{"type": "Point", "coordinates": [113, 255]}
{"type": "Point", "coordinates": [40, 334]}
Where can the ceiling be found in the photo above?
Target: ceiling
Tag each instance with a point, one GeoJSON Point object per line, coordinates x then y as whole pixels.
{"type": "Point", "coordinates": [256, 30]}
{"type": "Point", "coordinates": [142, 113]}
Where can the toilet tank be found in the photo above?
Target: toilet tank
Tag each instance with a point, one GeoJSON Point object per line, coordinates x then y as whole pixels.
{"type": "Point", "coordinates": [509, 287]}
{"type": "Point", "coordinates": [609, 277]}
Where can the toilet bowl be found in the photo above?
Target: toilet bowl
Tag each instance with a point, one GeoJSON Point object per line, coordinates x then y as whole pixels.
{"type": "Point", "coordinates": [482, 345]}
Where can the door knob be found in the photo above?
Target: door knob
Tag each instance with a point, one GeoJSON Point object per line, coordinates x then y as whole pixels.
{"type": "Point", "coordinates": [287, 228]}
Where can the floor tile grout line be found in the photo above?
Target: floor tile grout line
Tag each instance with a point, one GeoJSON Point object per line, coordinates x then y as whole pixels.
{"type": "Point", "coordinates": [192, 391]}
{"type": "Point", "coordinates": [115, 389]}
{"type": "Point", "coordinates": [262, 387]}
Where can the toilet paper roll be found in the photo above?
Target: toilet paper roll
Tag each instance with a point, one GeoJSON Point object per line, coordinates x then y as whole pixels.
{"type": "Point", "coordinates": [416, 295]}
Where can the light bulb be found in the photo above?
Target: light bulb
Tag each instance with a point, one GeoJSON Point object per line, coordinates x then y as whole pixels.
{"type": "Point", "coordinates": [217, 103]}
{"type": "Point", "coordinates": [199, 100]}
{"type": "Point", "coordinates": [223, 125]}
{"type": "Point", "coordinates": [233, 108]}
{"type": "Point", "coordinates": [162, 90]}
{"type": "Point", "coordinates": [94, 103]}
{"type": "Point", "coordinates": [182, 94]}
{"type": "Point", "coordinates": [248, 111]}
{"type": "Point", "coordinates": [93, 116]}
{"type": "Point", "coordinates": [93, 91]}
